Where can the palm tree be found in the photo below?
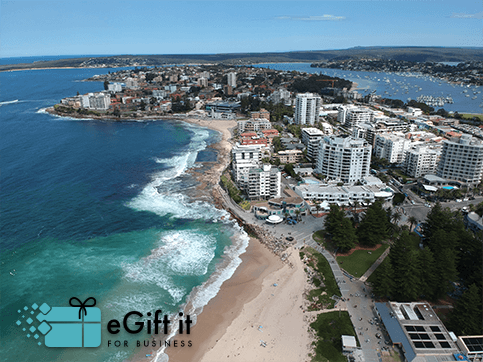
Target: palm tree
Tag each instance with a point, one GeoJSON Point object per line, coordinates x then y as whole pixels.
{"type": "Point", "coordinates": [412, 221]}
{"type": "Point", "coordinates": [317, 207]}
{"type": "Point", "coordinates": [396, 217]}
{"type": "Point", "coordinates": [297, 212]}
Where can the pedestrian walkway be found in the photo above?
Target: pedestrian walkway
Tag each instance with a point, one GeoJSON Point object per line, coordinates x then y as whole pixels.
{"type": "Point", "coordinates": [374, 266]}
{"type": "Point", "coordinates": [358, 304]}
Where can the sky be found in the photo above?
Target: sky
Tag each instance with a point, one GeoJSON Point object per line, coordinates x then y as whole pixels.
{"type": "Point", "coordinates": [40, 28]}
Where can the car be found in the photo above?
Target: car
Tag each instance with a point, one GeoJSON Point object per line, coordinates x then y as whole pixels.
{"type": "Point", "coordinates": [465, 199]}
{"type": "Point", "coordinates": [289, 238]}
{"type": "Point", "coordinates": [378, 335]}
{"type": "Point", "coordinates": [458, 200]}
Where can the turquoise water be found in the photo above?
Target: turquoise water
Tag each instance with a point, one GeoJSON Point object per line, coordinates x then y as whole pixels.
{"type": "Point", "coordinates": [101, 209]}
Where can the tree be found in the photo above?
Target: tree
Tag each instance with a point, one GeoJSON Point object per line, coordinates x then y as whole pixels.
{"type": "Point", "coordinates": [412, 221]}
{"type": "Point", "coordinates": [396, 217]}
{"type": "Point", "coordinates": [344, 236]}
{"type": "Point", "coordinates": [373, 228]}
{"type": "Point", "coordinates": [427, 272]}
{"type": "Point", "coordinates": [383, 280]}
{"type": "Point", "coordinates": [106, 84]}
{"type": "Point", "coordinates": [317, 207]}
{"type": "Point", "coordinates": [409, 286]}
{"type": "Point", "coordinates": [467, 315]}
{"type": "Point", "coordinates": [333, 219]}
{"type": "Point", "coordinates": [277, 144]}
{"type": "Point", "coordinates": [142, 105]}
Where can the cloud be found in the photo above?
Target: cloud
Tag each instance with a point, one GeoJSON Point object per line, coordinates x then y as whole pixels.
{"type": "Point", "coordinates": [324, 17]}
{"type": "Point", "coordinates": [468, 16]}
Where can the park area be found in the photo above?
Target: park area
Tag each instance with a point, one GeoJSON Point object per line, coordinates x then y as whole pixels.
{"type": "Point", "coordinates": [329, 328]}
{"type": "Point", "coordinates": [358, 261]}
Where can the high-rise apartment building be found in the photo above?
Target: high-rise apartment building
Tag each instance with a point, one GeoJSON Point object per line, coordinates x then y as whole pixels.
{"type": "Point", "coordinates": [231, 79]}
{"type": "Point", "coordinates": [391, 146]}
{"type": "Point", "coordinates": [344, 159]}
{"type": "Point", "coordinates": [311, 138]}
{"type": "Point", "coordinates": [245, 158]}
{"type": "Point", "coordinates": [462, 161]}
{"type": "Point", "coordinates": [421, 160]}
{"type": "Point", "coordinates": [264, 183]}
{"type": "Point", "coordinates": [281, 95]}
{"type": "Point", "coordinates": [307, 108]}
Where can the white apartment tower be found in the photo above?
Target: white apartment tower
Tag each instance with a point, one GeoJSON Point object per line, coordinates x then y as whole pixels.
{"type": "Point", "coordinates": [462, 161]}
{"type": "Point", "coordinates": [391, 146]}
{"type": "Point", "coordinates": [421, 160]}
{"type": "Point", "coordinates": [355, 116]}
{"type": "Point", "coordinates": [344, 159]}
{"type": "Point", "coordinates": [311, 138]}
{"type": "Point", "coordinates": [307, 107]}
{"type": "Point", "coordinates": [264, 183]}
{"type": "Point", "coordinates": [231, 79]}
{"type": "Point", "coordinates": [281, 95]}
{"type": "Point", "coordinates": [245, 158]}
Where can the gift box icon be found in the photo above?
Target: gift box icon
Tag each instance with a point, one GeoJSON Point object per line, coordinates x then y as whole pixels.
{"type": "Point", "coordinates": [79, 326]}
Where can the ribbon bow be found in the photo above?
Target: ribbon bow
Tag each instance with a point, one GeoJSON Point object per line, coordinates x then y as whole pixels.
{"type": "Point", "coordinates": [82, 305]}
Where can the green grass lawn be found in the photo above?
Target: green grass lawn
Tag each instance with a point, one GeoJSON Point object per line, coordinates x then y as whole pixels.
{"type": "Point", "coordinates": [359, 261]}
{"type": "Point", "coordinates": [470, 116]}
{"type": "Point", "coordinates": [329, 328]}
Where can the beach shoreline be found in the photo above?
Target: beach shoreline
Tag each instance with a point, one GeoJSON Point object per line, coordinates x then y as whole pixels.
{"type": "Point", "coordinates": [263, 290]}
{"type": "Point", "coordinates": [232, 313]}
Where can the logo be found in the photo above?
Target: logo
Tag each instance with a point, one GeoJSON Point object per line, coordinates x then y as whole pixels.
{"type": "Point", "coordinates": [79, 326]}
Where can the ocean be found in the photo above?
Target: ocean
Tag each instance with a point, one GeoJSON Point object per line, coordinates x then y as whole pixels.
{"type": "Point", "coordinates": [107, 210]}
{"type": "Point", "coordinates": [104, 210]}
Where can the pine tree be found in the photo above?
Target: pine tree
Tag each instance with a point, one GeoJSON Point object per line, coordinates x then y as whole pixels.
{"type": "Point", "coordinates": [373, 228]}
{"type": "Point", "coordinates": [467, 315]}
{"type": "Point", "coordinates": [427, 272]}
{"type": "Point", "coordinates": [383, 283]}
{"type": "Point", "coordinates": [469, 265]}
{"type": "Point", "coordinates": [409, 289]}
{"type": "Point", "coordinates": [344, 236]}
{"type": "Point", "coordinates": [333, 219]}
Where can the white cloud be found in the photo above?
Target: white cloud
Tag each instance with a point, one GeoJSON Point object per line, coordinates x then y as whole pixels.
{"type": "Point", "coordinates": [468, 16]}
{"type": "Point", "coordinates": [324, 17]}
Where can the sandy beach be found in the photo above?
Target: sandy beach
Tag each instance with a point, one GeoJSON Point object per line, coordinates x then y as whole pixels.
{"type": "Point", "coordinates": [257, 314]}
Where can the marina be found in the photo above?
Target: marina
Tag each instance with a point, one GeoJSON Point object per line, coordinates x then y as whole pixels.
{"type": "Point", "coordinates": [456, 97]}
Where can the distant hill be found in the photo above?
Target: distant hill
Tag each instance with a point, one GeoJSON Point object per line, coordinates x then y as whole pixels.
{"type": "Point", "coordinates": [415, 54]}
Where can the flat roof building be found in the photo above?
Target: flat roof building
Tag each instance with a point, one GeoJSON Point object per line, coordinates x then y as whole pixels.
{"type": "Point", "coordinates": [311, 138]}
{"type": "Point", "coordinates": [307, 107]}
{"type": "Point", "coordinates": [462, 160]}
{"type": "Point", "coordinates": [344, 159]}
{"type": "Point", "coordinates": [416, 328]}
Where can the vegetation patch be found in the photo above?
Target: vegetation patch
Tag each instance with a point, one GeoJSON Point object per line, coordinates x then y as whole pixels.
{"type": "Point", "coordinates": [360, 261]}
{"type": "Point", "coordinates": [322, 278]}
{"type": "Point", "coordinates": [329, 328]}
{"type": "Point", "coordinates": [233, 191]}
{"type": "Point", "coordinates": [245, 205]}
